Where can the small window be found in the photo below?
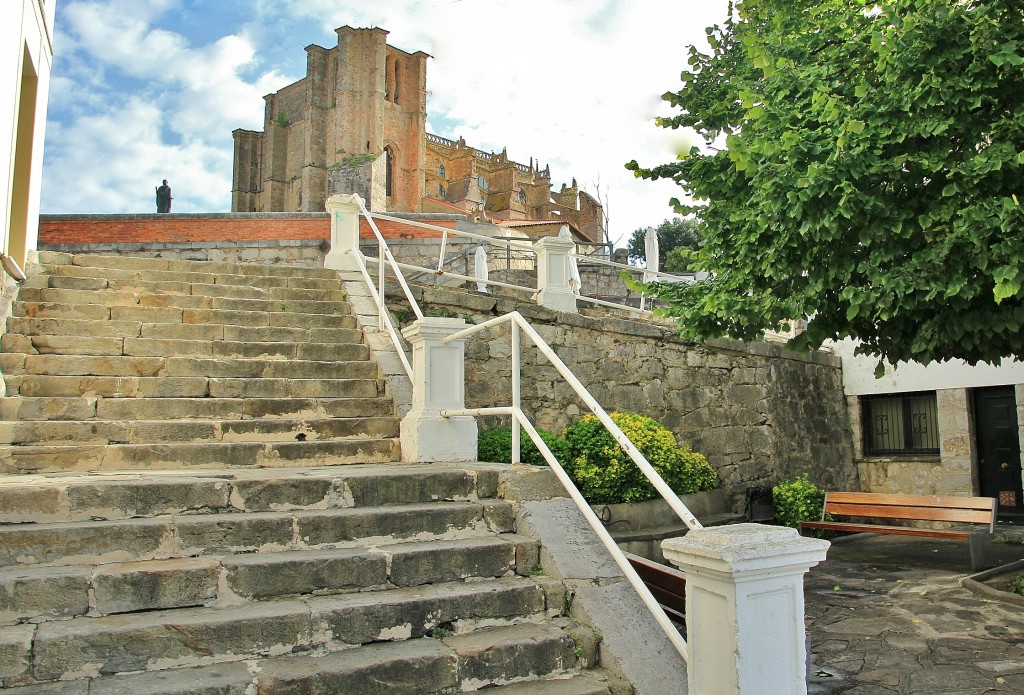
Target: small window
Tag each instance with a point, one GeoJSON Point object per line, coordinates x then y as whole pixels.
{"type": "Point", "coordinates": [440, 171]}
{"type": "Point", "coordinates": [481, 182]}
{"type": "Point", "coordinates": [522, 196]}
{"type": "Point", "coordinates": [397, 81]}
{"type": "Point", "coordinates": [440, 190]}
{"type": "Point", "coordinates": [388, 171]}
{"type": "Point", "coordinates": [906, 423]}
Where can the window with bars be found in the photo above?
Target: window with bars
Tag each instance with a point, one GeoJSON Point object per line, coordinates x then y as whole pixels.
{"type": "Point", "coordinates": [905, 423]}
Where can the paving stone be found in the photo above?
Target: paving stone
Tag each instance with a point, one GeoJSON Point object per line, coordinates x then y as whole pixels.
{"type": "Point", "coordinates": [416, 667]}
{"type": "Point", "coordinates": [67, 688]}
{"type": "Point", "coordinates": [219, 679]}
{"type": "Point", "coordinates": [43, 593]}
{"type": "Point", "coordinates": [139, 586]}
{"type": "Point", "coordinates": [1001, 668]}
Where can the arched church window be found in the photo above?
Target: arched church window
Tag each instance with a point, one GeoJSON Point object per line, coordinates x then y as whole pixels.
{"type": "Point", "coordinates": [440, 190]}
{"type": "Point", "coordinates": [440, 170]}
{"type": "Point", "coordinates": [397, 80]}
{"type": "Point", "coordinates": [387, 78]}
{"type": "Point", "coordinates": [388, 169]}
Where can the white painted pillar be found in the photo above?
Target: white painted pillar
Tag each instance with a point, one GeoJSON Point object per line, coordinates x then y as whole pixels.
{"type": "Point", "coordinates": [745, 607]}
{"type": "Point", "coordinates": [553, 274]}
{"type": "Point", "coordinates": [439, 383]}
{"type": "Point", "coordinates": [344, 210]}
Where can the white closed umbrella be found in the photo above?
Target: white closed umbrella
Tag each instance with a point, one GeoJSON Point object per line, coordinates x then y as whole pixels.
{"type": "Point", "coordinates": [480, 269]}
{"type": "Point", "coordinates": [651, 252]}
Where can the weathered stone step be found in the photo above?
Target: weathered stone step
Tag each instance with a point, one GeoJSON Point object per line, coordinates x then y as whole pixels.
{"type": "Point", "coordinates": [16, 460]}
{"type": "Point", "coordinates": [151, 347]}
{"type": "Point", "coordinates": [38, 385]}
{"type": "Point", "coordinates": [13, 364]}
{"type": "Point", "coordinates": [213, 295]}
{"type": "Point", "coordinates": [149, 265]}
{"type": "Point", "coordinates": [38, 594]}
{"type": "Point", "coordinates": [163, 281]}
{"type": "Point", "coordinates": [583, 684]}
{"type": "Point", "coordinates": [88, 408]}
{"type": "Point", "coordinates": [187, 535]}
{"type": "Point", "coordinates": [87, 647]}
{"type": "Point", "coordinates": [125, 495]}
{"type": "Point", "coordinates": [191, 430]}
{"type": "Point", "coordinates": [53, 329]}
{"type": "Point", "coordinates": [238, 312]}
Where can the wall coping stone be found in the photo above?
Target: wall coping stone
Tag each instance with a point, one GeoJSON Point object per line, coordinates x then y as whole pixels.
{"type": "Point", "coordinates": [235, 216]}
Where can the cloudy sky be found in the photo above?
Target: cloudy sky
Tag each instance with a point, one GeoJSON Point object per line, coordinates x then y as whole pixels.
{"type": "Point", "coordinates": [144, 90]}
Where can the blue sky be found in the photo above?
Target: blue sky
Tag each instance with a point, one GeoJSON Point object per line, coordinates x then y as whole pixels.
{"type": "Point", "coordinates": [144, 90]}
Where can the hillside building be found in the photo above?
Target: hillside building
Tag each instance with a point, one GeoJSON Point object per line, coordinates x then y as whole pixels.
{"type": "Point", "coordinates": [356, 123]}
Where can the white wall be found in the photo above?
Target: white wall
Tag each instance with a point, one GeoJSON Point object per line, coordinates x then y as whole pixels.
{"type": "Point", "coordinates": [26, 50]}
{"type": "Point", "coordinates": [859, 374]}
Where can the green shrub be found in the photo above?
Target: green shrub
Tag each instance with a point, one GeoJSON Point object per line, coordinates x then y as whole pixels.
{"type": "Point", "coordinates": [496, 445]}
{"type": "Point", "coordinates": [605, 474]}
{"type": "Point", "coordinates": [797, 500]}
{"type": "Point", "coordinates": [1017, 584]}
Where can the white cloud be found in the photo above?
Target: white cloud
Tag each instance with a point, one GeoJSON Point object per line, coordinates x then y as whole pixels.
{"type": "Point", "coordinates": [575, 84]}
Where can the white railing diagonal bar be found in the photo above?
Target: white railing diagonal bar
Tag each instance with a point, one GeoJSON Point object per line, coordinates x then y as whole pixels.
{"type": "Point", "coordinates": [468, 235]}
{"type": "Point", "coordinates": [386, 253]}
{"type": "Point", "coordinates": [383, 317]}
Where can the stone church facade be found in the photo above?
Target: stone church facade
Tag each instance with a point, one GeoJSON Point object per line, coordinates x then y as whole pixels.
{"type": "Point", "coordinates": [357, 124]}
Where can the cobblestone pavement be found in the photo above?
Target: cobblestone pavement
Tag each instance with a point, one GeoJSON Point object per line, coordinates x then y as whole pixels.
{"type": "Point", "coordinates": [887, 614]}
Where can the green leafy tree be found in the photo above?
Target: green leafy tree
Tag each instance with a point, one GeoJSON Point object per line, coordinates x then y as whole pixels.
{"type": "Point", "coordinates": [677, 239]}
{"type": "Point", "coordinates": [863, 166]}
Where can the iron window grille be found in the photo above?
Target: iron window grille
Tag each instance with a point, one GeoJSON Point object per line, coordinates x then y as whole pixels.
{"type": "Point", "coordinates": [906, 423]}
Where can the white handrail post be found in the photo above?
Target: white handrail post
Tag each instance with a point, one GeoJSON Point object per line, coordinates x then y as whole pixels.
{"type": "Point", "coordinates": [344, 210]}
{"type": "Point", "coordinates": [745, 607]}
{"type": "Point", "coordinates": [553, 274]}
{"type": "Point", "coordinates": [380, 280]}
{"type": "Point", "coordinates": [517, 454]}
{"type": "Point", "coordinates": [439, 383]}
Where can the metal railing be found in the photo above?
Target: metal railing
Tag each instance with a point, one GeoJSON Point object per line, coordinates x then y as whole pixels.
{"type": "Point", "coordinates": [519, 326]}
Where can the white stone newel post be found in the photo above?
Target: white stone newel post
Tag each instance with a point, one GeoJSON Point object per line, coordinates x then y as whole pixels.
{"type": "Point", "coordinates": [439, 383]}
{"type": "Point", "coordinates": [745, 607]}
{"type": "Point", "coordinates": [344, 210]}
{"type": "Point", "coordinates": [553, 274]}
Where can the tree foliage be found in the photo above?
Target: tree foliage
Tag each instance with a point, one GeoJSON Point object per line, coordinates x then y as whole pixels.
{"type": "Point", "coordinates": [676, 238]}
{"type": "Point", "coordinates": [863, 166]}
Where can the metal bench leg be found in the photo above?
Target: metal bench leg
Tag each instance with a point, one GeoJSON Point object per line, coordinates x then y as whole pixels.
{"type": "Point", "coordinates": [977, 550]}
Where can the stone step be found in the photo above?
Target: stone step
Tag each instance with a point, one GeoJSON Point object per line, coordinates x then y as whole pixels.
{"type": "Point", "coordinates": [14, 364]}
{"type": "Point", "coordinates": [187, 535]}
{"type": "Point", "coordinates": [28, 409]}
{"type": "Point", "coordinates": [52, 329]}
{"type": "Point", "coordinates": [152, 347]}
{"type": "Point", "coordinates": [122, 305]}
{"type": "Point", "coordinates": [43, 386]}
{"type": "Point", "coordinates": [151, 265]}
{"type": "Point", "coordinates": [191, 430]}
{"type": "Point", "coordinates": [118, 495]}
{"type": "Point", "coordinates": [38, 594]}
{"type": "Point", "coordinates": [16, 460]}
{"type": "Point", "coordinates": [163, 281]}
{"type": "Point", "coordinates": [210, 292]}
{"type": "Point", "coordinates": [235, 312]}
{"type": "Point", "coordinates": [86, 647]}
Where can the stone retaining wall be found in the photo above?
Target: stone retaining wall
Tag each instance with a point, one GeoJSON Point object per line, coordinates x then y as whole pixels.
{"type": "Point", "coordinates": [760, 413]}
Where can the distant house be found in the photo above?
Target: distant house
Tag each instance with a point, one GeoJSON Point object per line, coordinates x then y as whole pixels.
{"type": "Point", "coordinates": [943, 429]}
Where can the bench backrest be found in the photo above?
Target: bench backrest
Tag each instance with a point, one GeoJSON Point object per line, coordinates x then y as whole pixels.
{"type": "Point", "coordinates": [971, 510]}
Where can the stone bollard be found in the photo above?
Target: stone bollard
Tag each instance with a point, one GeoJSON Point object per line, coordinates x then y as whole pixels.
{"type": "Point", "coordinates": [553, 274]}
{"type": "Point", "coordinates": [344, 210]}
{"type": "Point", "coordinates": [745, 607]}
{"type": "Point", "coordinates": [439, 383]}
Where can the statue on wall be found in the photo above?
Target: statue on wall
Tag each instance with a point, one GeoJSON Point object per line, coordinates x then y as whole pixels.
{"type": "Point", "coordinates": [163, 198]}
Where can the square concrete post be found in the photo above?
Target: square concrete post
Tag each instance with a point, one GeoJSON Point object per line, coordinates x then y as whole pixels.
{"type": "Point", "coordinates": [344, 210]}
{"type": "Point", "coordinates": [439, 383]}
{"type": "Point", "coordinates": [745, 607]}
{"type": "Point", "coordinates": [553, 274]}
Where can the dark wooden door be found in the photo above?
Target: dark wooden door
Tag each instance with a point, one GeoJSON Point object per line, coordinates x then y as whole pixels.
{"type": "Point", "coordinates": [998, 442]}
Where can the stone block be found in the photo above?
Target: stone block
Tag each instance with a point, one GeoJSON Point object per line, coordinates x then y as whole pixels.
{"type": "Point", "coordinates": [412, 485]}
{"type": "Point", "coordinates": [218, 679]}
{"type": "Point", "coordinates": [289, 573]}
{"type": "Point", "coordinates": [15, 649]}
{"type": "Point", "coordinates": [29, 593]}
{"type": "Point", "coordinates": [506, 654]}
{"type": "Point", "coordinates": [29, 503]}
{"type": "Point", "coordinates": [152, 347]}
{"type": "Point", "coordinates": [88, 647]}
{"type": "Point", "coordinates": [446, 561]}
{"type": "Point", "coordinates": [87, 541]}
{"type": "Point", "coordinates": [283, 493]}
{"type": "Point", "coordinates": [234, 532]}
{"type": "Point", "coordinates": [60, 688]}
{"type": "Point", "coordinates": [417, 667]}
{"type": "Point", "coordinates": [137, 586]}
{"type": "Point", "coordinates": [408, 521]}
{"type": "Point", "coordinates": [24, 409]}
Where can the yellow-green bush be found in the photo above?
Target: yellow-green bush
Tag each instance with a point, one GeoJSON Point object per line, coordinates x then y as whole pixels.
{"type": "Point", "coordinates": [605, 474]}
{"type": "Point", "coordinates": [797, 500]}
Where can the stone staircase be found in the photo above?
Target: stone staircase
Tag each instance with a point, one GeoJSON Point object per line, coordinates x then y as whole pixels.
{"type": "Point", "coordinates": [198, 494]}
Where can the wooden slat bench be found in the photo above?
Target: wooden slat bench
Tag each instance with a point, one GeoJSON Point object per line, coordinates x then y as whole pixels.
{"type": "Point", "coordinates": [979, 511]}
{"type": "Point", "coordinates": [667, 585]}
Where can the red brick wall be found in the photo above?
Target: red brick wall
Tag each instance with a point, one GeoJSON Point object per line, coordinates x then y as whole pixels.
{"type": "Point", "coordinates": [106, 229]}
